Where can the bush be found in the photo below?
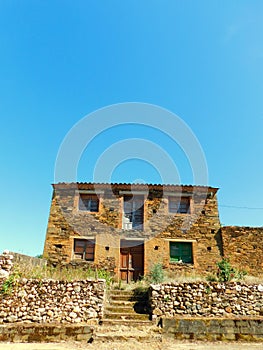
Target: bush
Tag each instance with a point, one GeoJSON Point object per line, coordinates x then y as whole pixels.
{"type": "Point", "coordinates": [105, 275]}
{"type": "Point", "coordinates": [156, 274]}
{"type": "Point", "coordinates": [226, 272]}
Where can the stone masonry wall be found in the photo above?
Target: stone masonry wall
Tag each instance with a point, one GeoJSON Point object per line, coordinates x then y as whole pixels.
{"type": "Point", "coordinates": [243, 246]}
{"type": "Point", "coordinates": [47, 301]}
{"type": "Point", "coordinates": [35, 332]}
{"type": "Point", "coordinates": [215, 329]}
{"type": "Point", "coordinates": [206, 299]}
{"type": "Point", "coordinates": [201, 226]}
{"type": "Point", "coordinates": [5, 265]}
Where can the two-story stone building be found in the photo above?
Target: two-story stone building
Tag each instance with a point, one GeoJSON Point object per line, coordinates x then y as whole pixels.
{"type": "Point", "coordinates": [127, 228]}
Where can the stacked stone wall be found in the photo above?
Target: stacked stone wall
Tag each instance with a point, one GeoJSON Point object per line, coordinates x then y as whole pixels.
{"type": "Point", "coordinates": [47, 301]}
{"type": "Point", "coordinates": [243, 246]}
{"type": "Point", "coordinates": [5, 265]}
{"type": "Point", "coordinates": [206, 299]}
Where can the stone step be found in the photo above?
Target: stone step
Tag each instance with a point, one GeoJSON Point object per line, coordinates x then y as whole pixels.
{"type": "Point", "coordinates": [119, 309]}
{"type": "Point", "coordinates": [124, 303]}
{"type": "Point", "coordinates": [120, 291]}
{"type": "Point", "coordinates": [144, 326]}
{"type": "Point", "coordinates": [131, 336]}
{"type": "Point", "coordinates": [130, 323]}
{"type": "Point", "coordinates": [121, 297]}
{"type": "Point", "coordinates": [126, 316]}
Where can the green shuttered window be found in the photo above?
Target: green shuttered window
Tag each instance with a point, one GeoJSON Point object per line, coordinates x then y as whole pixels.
{"type": "Point", "coordinates": [181, 252]}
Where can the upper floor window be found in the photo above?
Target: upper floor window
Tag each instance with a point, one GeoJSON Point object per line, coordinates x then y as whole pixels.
{"type": "Point", "coordinates": [133, 209]}
{"type": "Point", "coordinates": [88, 202]}
{"type": "Point", "coordinates": [84, 249]}
{"type": "Point", "coordinates": [179, 205]}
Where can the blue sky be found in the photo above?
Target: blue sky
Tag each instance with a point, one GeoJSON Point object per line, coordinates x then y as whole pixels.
{"type": "Point", "coordinates": [61, 60]}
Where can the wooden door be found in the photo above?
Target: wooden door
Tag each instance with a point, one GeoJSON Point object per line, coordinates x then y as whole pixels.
{"type": "Point", "coordinates": [131, 260]}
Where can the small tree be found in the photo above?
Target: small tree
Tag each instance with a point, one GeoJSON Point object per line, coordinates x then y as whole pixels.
{"type": "Point", "coordinates": [156, 274]}
{"type": "Point", "coordinates": [226, 272]}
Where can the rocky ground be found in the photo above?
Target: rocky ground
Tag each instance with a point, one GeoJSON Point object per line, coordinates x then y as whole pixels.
{"type": "Point", "coordinates": [131, 345]}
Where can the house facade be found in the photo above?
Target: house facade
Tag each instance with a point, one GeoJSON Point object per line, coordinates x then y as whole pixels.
{"type": "Point", "coordinates": [127, 228]}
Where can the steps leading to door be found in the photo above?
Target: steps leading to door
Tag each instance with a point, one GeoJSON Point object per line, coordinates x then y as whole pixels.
{"type": "Point", "coordinates": [126, 305]}
{"type": "Point", "coordinates": [126, 318]}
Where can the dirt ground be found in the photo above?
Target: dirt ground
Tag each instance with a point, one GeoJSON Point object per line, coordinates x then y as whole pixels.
{"type": "Point", "coordinates": [130, 345]}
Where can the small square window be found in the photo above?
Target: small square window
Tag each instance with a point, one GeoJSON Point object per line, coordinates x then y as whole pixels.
{"type": "Point", "coordinates": [84, 249]}
{"type": "Point", "coordinates": [89, 202]}
{"type": "Point", "coordinates": [181, 252]}
{"type": "Point", "coordinates": [179, 205]}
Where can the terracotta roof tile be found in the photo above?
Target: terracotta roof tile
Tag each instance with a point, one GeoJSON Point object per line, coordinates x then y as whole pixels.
{"type": "Point", "coordinates": [128, 186]}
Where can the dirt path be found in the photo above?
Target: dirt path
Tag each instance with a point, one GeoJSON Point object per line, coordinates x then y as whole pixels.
{"type": "Point", "coordinates": [167, 345]}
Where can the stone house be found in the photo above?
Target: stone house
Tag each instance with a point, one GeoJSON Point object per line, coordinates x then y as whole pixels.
{"type": "Point", "coordinates": [127, 228]}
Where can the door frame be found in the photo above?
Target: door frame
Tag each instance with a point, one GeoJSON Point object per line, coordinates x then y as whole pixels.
{"type": "Point", "coordinates": [130, 269]}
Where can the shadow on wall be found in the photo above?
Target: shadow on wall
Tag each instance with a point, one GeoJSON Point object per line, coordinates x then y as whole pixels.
{"type": "Point", "coordinates": [219, 241]}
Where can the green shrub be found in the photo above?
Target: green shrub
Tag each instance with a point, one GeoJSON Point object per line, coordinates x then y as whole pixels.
{"type": "Point", "coordinates": [226, 272]}
{"type": "Point", "coordinates": [11, 281]}
{"type": "Point", "coordinates": [105, 275]}
{"type": "Point", "coordinates": [156, 274]}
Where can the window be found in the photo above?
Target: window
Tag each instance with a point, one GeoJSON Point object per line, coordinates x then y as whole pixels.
{"type": "Point", "coordinates": [89, 202]}
{"type": "Point", "coordinates": [181, 252]}
{"type": "Point", "coordinates": [179, 205]}
{"type": "Point", "coordinates": [133, 209]}
{"type": "Point", "coordinates": [84, 249]}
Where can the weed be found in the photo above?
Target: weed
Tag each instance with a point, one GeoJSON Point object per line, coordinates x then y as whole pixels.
{"type": "Point", "coordinates": [208, 290]}
{"type": "Point", "coordinates": [167, 298]}
{"type": "Point", "coordinates": [11, 281]}
{"type": "Point", "coordinates": [211, 278]}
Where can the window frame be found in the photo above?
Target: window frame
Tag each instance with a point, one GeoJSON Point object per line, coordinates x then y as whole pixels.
{"type": "Point", "coordinates": [89, 244]}
{"type": "Point", "coordinates": [179, 202]}
{"type": "Point", "coordinates": [92, 198]}
{"type": "Point", "coordinates": [182, 257]}
{"type": "Point", "coordinates": [129, 217]}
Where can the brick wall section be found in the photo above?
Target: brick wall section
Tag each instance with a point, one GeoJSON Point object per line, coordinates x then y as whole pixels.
{"type": "Point", "coordinates": [47, 301]}
{"type": "Point", "coordinates": [214, 329]}
{"type": "Point", "coordinates": [201, 226]}
{"type": "Point", "coordinates": [243, 246]}
{"type": "Point", "coordinates": [206, 299]}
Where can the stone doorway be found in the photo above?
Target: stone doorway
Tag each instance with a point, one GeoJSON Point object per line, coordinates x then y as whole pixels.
{"type": "Point", "coordinates": [131, 260]}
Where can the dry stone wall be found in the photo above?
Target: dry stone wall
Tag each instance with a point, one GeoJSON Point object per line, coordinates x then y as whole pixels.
{"type": "Point", "coordinates": [5, 265]}
{"type": "Point", "coordinates": [47, 301]}
{"type": "Point", "coordinates": [206, 299]}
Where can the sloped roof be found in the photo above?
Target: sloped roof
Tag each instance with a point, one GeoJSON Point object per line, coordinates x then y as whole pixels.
{"type": "Point", "coordinates": [132, 186]}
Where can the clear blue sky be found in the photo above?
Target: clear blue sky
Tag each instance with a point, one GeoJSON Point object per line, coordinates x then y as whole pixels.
{"type": "Point", "coordinates": [61, 60]}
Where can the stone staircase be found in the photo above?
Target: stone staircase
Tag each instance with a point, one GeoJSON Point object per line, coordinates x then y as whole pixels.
{"type": "Point", "coordinates": [126, 317]}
